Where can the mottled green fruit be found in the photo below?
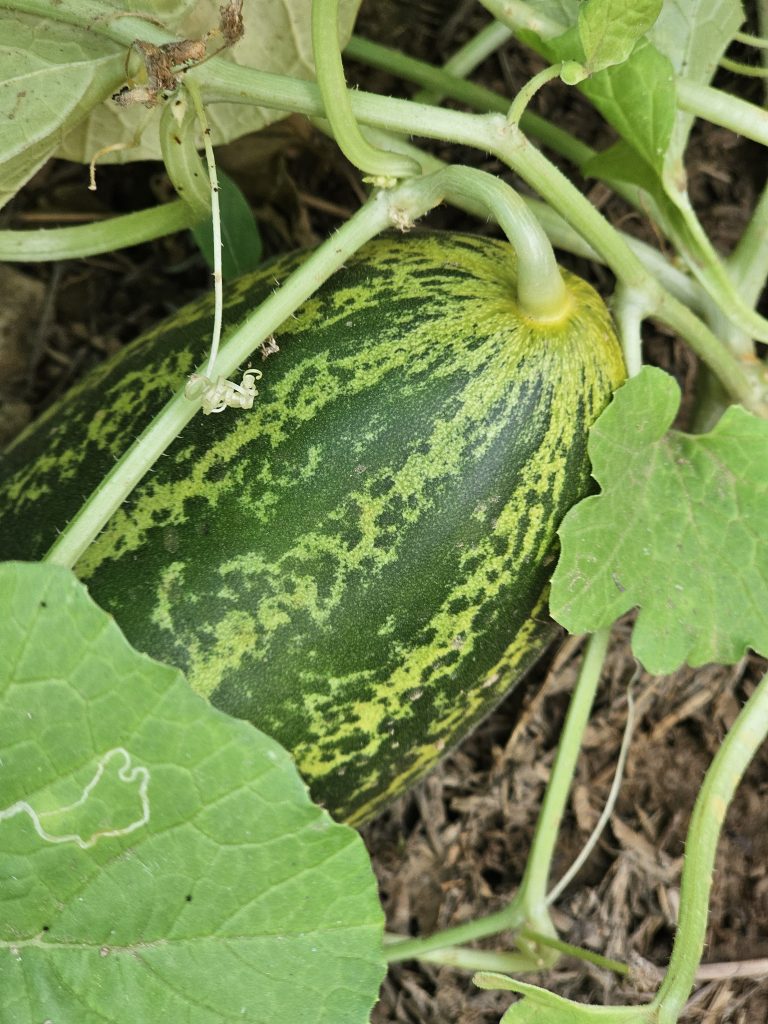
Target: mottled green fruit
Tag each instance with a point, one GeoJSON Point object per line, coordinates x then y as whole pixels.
{"type": "Point", "coordinates": [359, 564]}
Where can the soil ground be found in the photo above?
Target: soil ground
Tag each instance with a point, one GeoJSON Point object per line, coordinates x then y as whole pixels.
{"type": "Point", "coordinates": [455, 848]}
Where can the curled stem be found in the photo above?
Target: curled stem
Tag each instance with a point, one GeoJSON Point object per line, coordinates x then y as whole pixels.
{"type": "Point", "coordinates": [383, 167]}
{"type": "Point", "coordinates": [541, 292]}
{"type": "Point", "coordinates": [529, 90]}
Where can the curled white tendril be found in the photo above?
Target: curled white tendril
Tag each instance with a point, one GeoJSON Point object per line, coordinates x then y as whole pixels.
{"type": "Point", "coordinates": [218, 395]}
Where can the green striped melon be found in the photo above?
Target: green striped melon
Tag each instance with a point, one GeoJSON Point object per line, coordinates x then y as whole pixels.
{"type": "Point", "coordinates": [359, 564]}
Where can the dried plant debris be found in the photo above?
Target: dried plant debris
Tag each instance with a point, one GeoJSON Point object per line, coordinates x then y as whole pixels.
{"type": "Point", "coordinates": [164, 65]}
{"type": "Point", "coordinates": [231, 22]}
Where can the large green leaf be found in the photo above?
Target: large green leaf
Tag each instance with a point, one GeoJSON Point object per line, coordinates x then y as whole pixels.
{"type": "Point", "coordinates": [609, 29]}
{"type": "Point", "coordinates": [56, 78]}
{"type": "Point", "coordinates": [636, 96]}
{"type": "Point", "coordinates": [160, 861]}
{"type": "Point", "coordinates": [51, 75]}
{"type": "Point", "coordinates": [679, 531]}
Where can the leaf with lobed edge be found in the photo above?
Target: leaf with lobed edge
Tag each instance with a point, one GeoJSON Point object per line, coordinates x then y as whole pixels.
{"type": "Point", "coordinates": [678, 531]}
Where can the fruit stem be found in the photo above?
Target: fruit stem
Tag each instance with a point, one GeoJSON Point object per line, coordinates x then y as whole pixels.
{"type": "Point", "coordinates": [541, 291]}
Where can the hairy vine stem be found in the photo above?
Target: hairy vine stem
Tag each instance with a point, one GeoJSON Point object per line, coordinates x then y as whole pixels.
{"type": "Point", "coordinates": [49, 244]}
{"type": "Point", "coordinates": [152, 442]}
{"type": "Point", "coordinates": [224, 81]}
{"type": "Point", "coordinates": [399, 207]}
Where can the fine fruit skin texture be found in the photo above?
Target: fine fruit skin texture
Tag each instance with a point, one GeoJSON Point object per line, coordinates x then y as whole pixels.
{"type": "Point", "coordinates": [359, 564]}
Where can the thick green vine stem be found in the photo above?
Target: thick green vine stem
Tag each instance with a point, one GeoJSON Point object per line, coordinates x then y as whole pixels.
{"type": "Point", "coordinates": [724, 109]}
{"type": "Point", "coordinates": [46, 244]}
{"type": "Point", "coordinates": [730, 762]}
{"type": "Point", "coordinates": [400, 207]}
{"type": "Point", "coordinates": [531, 897]}
{"type": "Point", "coordinates": [687, 234]}
{"type": "Point", "coordinates": [748, 267]}
{"type": "Point", "coordinates": [383, 168]}
{"type": "Point", "coordinates": [492, 134]}
{"type": "Point", "coordinates": [152, 442]}
{"type": "Point", "coordinates": [442, 83]}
